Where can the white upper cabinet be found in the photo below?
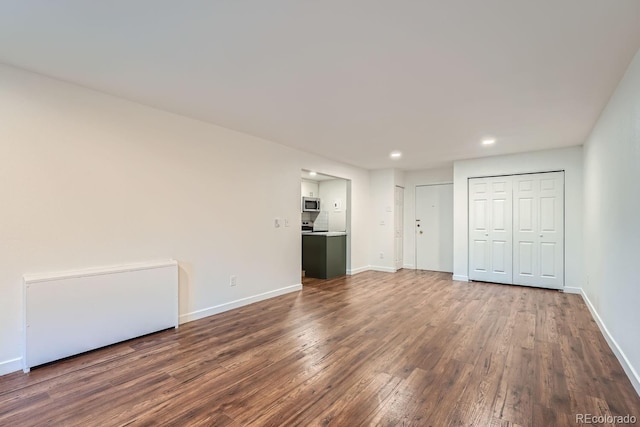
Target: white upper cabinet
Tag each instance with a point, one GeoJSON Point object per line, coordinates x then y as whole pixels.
{"type": "Point", "coordinates": [309, 188]}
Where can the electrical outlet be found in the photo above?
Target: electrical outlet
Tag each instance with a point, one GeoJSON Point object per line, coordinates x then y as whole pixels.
{"type": "Point", "coordinates": [286, 222]}
{"type": "Point", "coordinates": [381, 255]}
{"type": "Point", "coordinates": [233, 280]}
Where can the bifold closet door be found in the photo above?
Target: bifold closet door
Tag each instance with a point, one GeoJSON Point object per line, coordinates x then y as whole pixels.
{"type": "Point", "coordinates": [516, 229]}
{"type": "Point", "coordinates": [490, 229]}
{"type": "Point", "coordinates": [538, 235]}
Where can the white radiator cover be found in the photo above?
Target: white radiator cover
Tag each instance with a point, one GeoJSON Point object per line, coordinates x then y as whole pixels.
{"type": "Point", "coordinates": [67, 313]}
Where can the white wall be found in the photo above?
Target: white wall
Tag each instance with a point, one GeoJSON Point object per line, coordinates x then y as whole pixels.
{"type": "Point", "coordinates": [382, 219]}
{"type": "Point", "coordinates": [87, 179]}
{"type": "Point", "coordinates": [412, 179]}
{"type": "Point", "coordinates": [612, 221]}
{"type": "Point", "coordinates": [567, 159]}
{"type": "Point", "coordinates": [309, 188]}
{"type": "Point", "coordinates": [331, 191]}
{"type": "Point", "coordinates": [398, 178]}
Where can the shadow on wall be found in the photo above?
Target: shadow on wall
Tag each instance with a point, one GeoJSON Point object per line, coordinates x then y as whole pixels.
{"type": "Point", "coordinates": [185, 297]}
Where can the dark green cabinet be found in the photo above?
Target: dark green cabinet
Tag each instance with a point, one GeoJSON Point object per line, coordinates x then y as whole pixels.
{"type": "Point", "coordinates": [324, 257]}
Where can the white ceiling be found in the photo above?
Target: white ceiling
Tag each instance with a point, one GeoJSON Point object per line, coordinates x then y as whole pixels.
{"type": "Point", "coordinates": [317, 177]}
{"type": "Point", "coordinates": [350, 80]}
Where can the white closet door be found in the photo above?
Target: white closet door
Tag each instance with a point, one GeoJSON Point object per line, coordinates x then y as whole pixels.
{"type": "Point", "coordinates": [490, 229]}
{"type": "Point", "coordinates": [538, 212]}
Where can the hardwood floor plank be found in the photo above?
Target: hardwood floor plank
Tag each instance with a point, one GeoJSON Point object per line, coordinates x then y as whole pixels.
{"type": "Point", "coordinates": [550, 385]}
{"type": "Point", "coordinates": [410, 348]}
{"type": "Point", "coordinates": [515, 394]}
{"type": "Point", "coordinates": [451, 381]}
{"type": "Point", "coordinates": [292, 397]}
{"type": "Point", "coordinates": [405, 400]}
{"type": "Point", "coordinates": [360, 402]}
{"type": "Point", "coordinates": [474, 406]}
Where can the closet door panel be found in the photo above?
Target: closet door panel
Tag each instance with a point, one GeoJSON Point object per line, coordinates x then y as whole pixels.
{"type": "Point", "coordinates": [490, 229]}
{"type": "Point", "coordinates": [551, 272]}
{"type": "Point", "coordinates": [538, 212]}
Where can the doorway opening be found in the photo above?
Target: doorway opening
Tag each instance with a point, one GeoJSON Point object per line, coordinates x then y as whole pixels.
{"type": "Point", "coordinates": [325, 225]}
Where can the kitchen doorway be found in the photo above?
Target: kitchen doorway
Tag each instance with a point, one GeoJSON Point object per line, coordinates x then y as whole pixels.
{"type": "Point", "coordinates": [326, 213]}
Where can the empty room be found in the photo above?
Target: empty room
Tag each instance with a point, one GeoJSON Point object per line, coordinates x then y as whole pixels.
{"type": "Point", "coordinates": [408, 213]}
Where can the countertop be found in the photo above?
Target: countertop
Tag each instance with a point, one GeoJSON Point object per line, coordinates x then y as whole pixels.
{"type": "Point", "coordinates": [324, 233]}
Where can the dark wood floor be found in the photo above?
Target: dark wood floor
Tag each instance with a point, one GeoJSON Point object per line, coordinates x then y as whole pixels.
{"type": "Point", "coordinates": [411, 348]}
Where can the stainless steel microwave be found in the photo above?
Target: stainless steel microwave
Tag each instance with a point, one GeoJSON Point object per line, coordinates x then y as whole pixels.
{"type": "Point", "coordinates": [310, 204]}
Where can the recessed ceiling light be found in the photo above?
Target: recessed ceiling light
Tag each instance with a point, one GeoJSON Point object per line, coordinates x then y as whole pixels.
{"type": "Point", "coordinates": [312, 173]}
{"type": "Point", "coordinates": [488, 141]}
{"type": "Point", "coordinates": [395, 154]}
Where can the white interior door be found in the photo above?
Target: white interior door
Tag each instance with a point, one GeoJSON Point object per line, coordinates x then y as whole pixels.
{"type": "Point", "coordinates": [399, 227]}
{"type": "Point", "coordinates": [538, 212]}
{"type": "Point", "coordinates": [490, 229]}
{"type": "Point", "coordinates": [434, 227]}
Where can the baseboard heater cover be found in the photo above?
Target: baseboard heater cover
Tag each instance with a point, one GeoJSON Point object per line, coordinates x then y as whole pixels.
{"type": "Point", "coordinates": [71, 312]}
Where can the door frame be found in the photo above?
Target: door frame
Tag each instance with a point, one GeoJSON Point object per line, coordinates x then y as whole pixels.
{"type": "Point", "coordinates": [346, 206]}
{"type": "Point", "coordinates": [398, 217]}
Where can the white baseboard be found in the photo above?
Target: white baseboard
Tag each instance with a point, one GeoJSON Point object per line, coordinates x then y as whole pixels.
{"type": "Point", "coordinates": [206, 312]}
{"type": "Point", "coordinates": [358, 270]}
{"type": "Point", "coordinates": [372, 268]}
{"type": "Point", "coordinates": [384, 269]}
{"type": "Point", "coordinates": [572, 290]}
{"type": "Point", "coordinates": [9, 366]}
{"type": "Point", "coordinates": [460, 278]}
{"type": "Point", "coordinates": [409, 266]}
{"type": "Point", "coordinates": [622, 358]}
